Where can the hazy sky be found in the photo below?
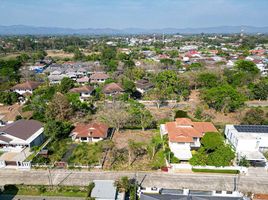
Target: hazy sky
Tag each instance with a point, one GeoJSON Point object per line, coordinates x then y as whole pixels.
{"type": "Point", "coordinates": [134, 13]}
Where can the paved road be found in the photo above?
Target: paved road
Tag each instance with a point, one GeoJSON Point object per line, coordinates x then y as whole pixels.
{"type": "Point", "coordinates": [22, 197]}
{"type": "Point", "coordinates": [256, 181]}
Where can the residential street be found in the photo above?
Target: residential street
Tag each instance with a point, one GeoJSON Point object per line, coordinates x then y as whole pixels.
{"type": "Point", "coordinates": [256, 181]}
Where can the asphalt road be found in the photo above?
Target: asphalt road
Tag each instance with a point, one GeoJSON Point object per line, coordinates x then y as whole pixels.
{"type": "Point", "coordinates": [256, 182]}
{"type": "Point", "coordinates": [22, 197]}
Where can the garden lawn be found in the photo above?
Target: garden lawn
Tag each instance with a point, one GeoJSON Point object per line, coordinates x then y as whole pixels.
{"type": "Point", "coordinates": [87, 154]}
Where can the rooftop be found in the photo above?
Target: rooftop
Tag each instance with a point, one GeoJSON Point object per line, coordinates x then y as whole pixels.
{"type": "Point", "coordinates": [22, 129]}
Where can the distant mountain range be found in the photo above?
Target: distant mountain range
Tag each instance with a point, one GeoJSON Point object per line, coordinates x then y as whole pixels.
{"type": "Point", "coordinates": [32, 30]}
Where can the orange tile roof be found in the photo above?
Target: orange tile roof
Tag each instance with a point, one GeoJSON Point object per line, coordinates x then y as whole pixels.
{"type": "Point", "coordinates": [184, 130]}
{"type": "Point", "coordinates": [204, 127]}
{"type": "Point", "coordinates": [91, 130]}
{"type": "Point", "coordinates": [184, 121]}
{"type": "Point", "coordinates": [260, 197]}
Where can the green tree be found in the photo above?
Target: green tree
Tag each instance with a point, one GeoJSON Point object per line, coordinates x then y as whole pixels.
{"type": "Point", "coordinates": [222, 156]}
{"type": "Point", "coordinates": [59, 108]}
{"type": "Point", "coordinates": [128, 85]}
{"type": "Point", "coordinates": [223, 98]}
{"type": "Point", "coordinates": [254, 116]}
{"type": "Point", "coordinates": [167, 61]}
{"type": "Point", "coordinates": [135, 150]}
{"type": "Point", "coordinates": [57, 129]}
{"type": "Point", "coordinates": [260, 90]}
{"type": "Point", "coordinates": [207, 80]}
{"type": "Point", "coordinates": [211, 141]}
{"type": "Point", "coordinates": [155, 145]}
{"type": "Point", "coordinates": [247, 66]}
{"type": "Point", "coordinates": [123, 184]}
{"type": "Point", "coordinates": [65, 85]}
{"type": "Point", "coordinates": [8, 98]}
{"type": "Point", "coordinates": [140, 116]}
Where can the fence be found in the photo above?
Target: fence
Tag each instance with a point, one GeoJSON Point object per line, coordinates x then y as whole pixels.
{"type": "Point", "coordinates": [243, 170]}
{"type": "Point", "coordinates": [66, 165]}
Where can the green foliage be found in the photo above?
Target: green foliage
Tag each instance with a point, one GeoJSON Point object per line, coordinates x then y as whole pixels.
{"type": "Point", "coordinates": [260, 89]}
{"type": "Point", "coordinates": [207, 80]}
{"type": "Point", "coordinates": [213, 152]}
{"type": "Point", "coordinates": [8, 98]}
{"type": "Point", "coordinates": [198, 113]}
{"type": "Point", "coordinates": [211, 141]}
{"type": "Point", "coordinates": [223, 98]}
{"type": "Point", "coordinates": [128, 85]}
{"type": "Point", "coordinates": [167, 61]}
{"type": "Point", "coordinates": [57, 129]}
{"type": "Point", "coordinates": [247, 66]}
{"type": "Point", "coordinates": [78, 55]}
{"type": "Point", "coordinates": [254, 116]}
{"type": "Point", "coordinates": [223, 171]}
{"type": "Point", "coordinates": [195, 66]}
{"type": "Point", "coordinates": [66, 84]}
{"type": "Point", "coordinates": [90, 187]}
{"type": "Point", "coordinates": [244, 162]}
{"type": "Point", "coordinates": [181, 114]}
{"type": "Point", "coordinates": [87, 154]}
{"type": "Point", "coordinates": [9, 70]}
{"type": "Point", "coordinates": [123, 184]}
{"type": "Point", "coordinates": [77, 105]}
{"type": "Point", "coordinates": [140, 116]}
{"type": "Point", "coordinates": [70, 49]}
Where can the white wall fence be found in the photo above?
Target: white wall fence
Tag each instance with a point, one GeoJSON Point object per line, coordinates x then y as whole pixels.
{"type": "Point", "coordinates": [16, 165]}
{"type": "Point", "coordinates": [69, 166]}
{"type": "Point", "coordinates": [242, 170]}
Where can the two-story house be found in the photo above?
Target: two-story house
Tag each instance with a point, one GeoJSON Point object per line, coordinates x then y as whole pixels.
{"type": "Point", "coordinates": [249, 141]}
{"type": "Point", "coordinates": [184, 135]}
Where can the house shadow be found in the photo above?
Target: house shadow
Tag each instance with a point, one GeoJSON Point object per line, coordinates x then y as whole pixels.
{"type": "Point", "coordinates": [8, 192]}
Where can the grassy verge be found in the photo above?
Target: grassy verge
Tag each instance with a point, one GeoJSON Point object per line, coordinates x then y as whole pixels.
{"type": "Point", "coordinates": [224, 171]}
{"type": "Point", "coordinates": [40, 190]}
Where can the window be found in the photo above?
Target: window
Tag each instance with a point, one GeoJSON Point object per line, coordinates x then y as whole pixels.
{"type": "Point", "coordinates": [218, 192]}
{"type": "Point", "coordinates": [83, 138]}
{"type": "Point", "coordinates": [229, 192]}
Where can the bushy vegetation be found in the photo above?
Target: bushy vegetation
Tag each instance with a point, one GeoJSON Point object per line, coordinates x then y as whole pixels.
{"type": "Point", "coordinates": [213, 151]}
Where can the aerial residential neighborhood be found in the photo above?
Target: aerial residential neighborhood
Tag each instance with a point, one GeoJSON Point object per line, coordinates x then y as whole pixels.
{"type": "Point", "coordinates": [127, 100]}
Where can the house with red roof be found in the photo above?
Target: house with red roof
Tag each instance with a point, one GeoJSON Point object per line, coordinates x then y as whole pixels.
{"type": "Point", "coordinates": [91, 132]}
{"type": "Point", "coordinates": [184, 135]}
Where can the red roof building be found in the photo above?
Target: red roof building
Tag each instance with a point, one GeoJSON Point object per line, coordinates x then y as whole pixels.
{"type": "Point", "coordinates": [92, 132]}
{"type": "Point", "coordinates": [184, 135]}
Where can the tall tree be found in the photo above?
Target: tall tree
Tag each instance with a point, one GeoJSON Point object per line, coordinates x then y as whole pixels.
{"type": "Point", "coordinates": [59, 108]}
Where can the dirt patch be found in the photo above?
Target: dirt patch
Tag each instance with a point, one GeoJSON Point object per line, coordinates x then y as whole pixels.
{"type": "Point", "coordinates": [59, 53]}
{"type": "Point", "coordinates": [121, 138]}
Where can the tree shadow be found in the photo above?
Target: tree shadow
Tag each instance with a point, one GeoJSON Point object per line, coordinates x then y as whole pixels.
{"type": "Point", "coordinates": [9, 192]}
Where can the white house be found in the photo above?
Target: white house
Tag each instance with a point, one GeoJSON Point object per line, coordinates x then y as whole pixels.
{"type": "Point", "coordinates": [92, 132]}
{"type": "Point", "coordinates": [249, 141]}
{"type": "Point", "coordinates": [184, 135]}
{"type": "Point", "coordinates": [27, 87]}
{"type": "Point", "coordinates": [84, 92]}
{"type": "Point", "coordinates": [20, 134]}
